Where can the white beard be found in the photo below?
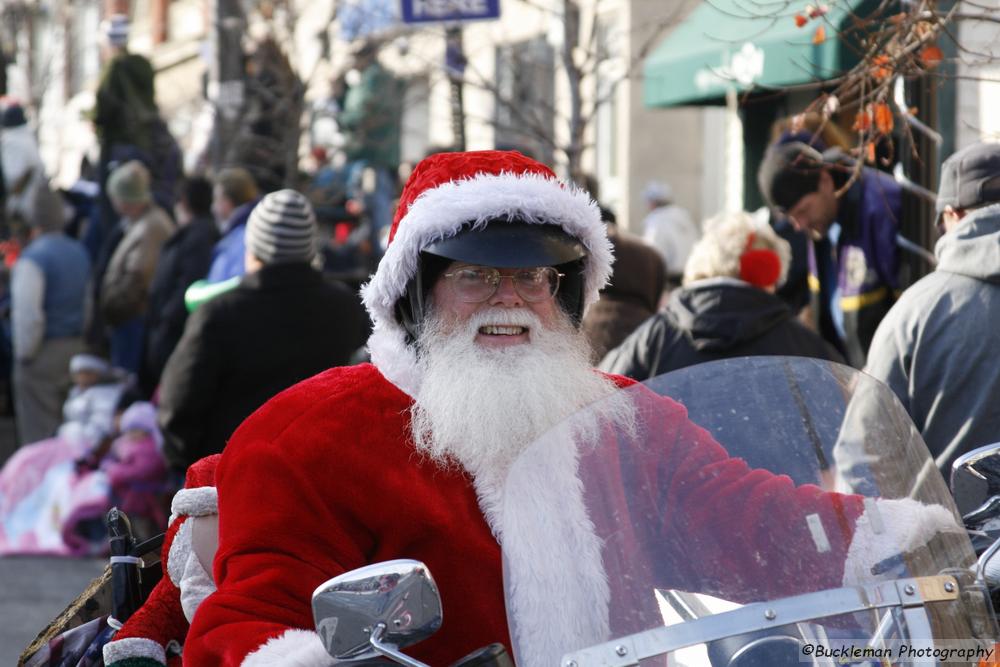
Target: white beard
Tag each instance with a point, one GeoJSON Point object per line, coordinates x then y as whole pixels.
{"type": "Point", "coordinates": [481, 407]}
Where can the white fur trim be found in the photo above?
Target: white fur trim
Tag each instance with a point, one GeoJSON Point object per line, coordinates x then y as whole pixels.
{"type": "Point", "coordinates": [134, 647]}
{"type": "Point", "coordinates": [294, 648]}
{"type": "Point", "coordinates": [186, 572]}
{"type": "Point", "coordinates": [892, 527]}
{"type": "Point", "coordinates": [442, 211]}
{"type": "Point", "coordinates": [180, 548]}
{"type": "Point", "coordinates": [552, 559]}
{"type": "Point", "coordinates": [198, 501]}
{"type": "Point", "coordinates": [396, 360]}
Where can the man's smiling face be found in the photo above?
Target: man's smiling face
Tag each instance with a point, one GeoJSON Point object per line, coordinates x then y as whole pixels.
{"type": "Point", "coordinates": [492, 335]}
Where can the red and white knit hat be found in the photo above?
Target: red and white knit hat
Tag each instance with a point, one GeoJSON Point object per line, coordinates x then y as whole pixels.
{"type": "Point", "coordinates": [449, 192]}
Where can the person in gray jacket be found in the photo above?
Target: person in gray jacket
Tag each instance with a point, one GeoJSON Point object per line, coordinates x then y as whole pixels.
{"type": "Point", "coordinates": [936, 348]}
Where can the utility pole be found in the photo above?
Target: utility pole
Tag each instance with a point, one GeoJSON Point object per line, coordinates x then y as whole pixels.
{"type": "Point", "coordinates": [226, 85]}
{"type": "Point", "coordinates": [454, 62]}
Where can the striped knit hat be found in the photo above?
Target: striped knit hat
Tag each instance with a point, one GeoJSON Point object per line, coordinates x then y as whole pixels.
{"type": "Point", "coordinates": [282, 228]}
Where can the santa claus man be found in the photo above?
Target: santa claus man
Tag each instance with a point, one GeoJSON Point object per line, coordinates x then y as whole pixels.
{"type": "Point", "coordinates": [476, 351]}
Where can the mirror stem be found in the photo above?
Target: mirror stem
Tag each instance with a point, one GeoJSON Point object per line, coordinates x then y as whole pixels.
{"type": "Point", "coordinates": [390, 651]}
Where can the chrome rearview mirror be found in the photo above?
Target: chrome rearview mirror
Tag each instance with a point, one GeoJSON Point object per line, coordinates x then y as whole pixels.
{"type": "Point", "coordinates": [975, 477]}
{"type": "Point", "coordinates": [376, 610]}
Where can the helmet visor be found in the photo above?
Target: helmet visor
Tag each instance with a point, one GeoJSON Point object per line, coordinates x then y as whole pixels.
{"type": "Point", "coordinates": [510, 244]}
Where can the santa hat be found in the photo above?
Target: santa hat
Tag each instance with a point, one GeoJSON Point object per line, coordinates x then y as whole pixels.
{"type": "Point", "coordinates": [450, 192]}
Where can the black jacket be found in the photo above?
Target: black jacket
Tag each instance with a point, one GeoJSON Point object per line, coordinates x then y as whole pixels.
{"type": "Point", "coordinates": [281, 325]}
{"type": "Point", "coordinates": [715, 319]}
{"type": "Point", "coordinates": [185, 258]}
{"type": "Point", "coordinates": [630, 297]}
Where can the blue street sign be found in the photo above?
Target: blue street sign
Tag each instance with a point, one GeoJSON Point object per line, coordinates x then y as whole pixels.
{"type": "Point", "coordinates": [425, 11]}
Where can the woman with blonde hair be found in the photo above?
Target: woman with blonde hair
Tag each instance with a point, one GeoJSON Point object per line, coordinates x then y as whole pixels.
{"type": "Point", "coordinates": [725, 308]}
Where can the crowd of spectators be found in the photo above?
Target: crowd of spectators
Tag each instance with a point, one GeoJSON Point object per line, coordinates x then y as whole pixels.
{"type": "Point", "coordinates": [199, 311]}
{"type": "Point", "coordinates": [203, 296]}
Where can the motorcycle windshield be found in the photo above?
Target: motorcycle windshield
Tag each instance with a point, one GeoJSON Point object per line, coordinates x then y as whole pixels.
{"type": "Point", "coordinates": [772, 503]}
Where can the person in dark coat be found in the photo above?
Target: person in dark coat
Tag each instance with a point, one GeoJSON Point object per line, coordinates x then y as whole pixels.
{"type": "Point", "coordinates": [726, 307]}
{"type": "Point", "coordinates": [184, 259]}
{"type": "Point", "coordinates": [852, 238]}
{"type": "Point", "coordinates": [282, 324]}
{"type": "Point", "coordinates": [632, 295]}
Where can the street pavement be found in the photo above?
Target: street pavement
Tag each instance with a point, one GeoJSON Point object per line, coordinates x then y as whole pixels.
{"type": "Point", "coordinates": [33, 590]}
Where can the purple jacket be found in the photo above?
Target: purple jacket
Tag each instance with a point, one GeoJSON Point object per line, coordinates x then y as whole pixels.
{"type": "Point", "coordinates": [864, 265]}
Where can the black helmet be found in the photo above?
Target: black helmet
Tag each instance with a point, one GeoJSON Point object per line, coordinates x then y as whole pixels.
{"type": "Point", "coordinates": [503, 244]}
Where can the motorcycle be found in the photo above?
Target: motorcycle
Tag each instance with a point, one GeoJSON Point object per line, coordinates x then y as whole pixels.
{"type": "Point", "coordinates": [666, 561]}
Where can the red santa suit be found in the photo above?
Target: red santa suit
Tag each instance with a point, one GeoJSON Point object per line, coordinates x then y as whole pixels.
{"type": "Point", "coordinates": [325, 478]}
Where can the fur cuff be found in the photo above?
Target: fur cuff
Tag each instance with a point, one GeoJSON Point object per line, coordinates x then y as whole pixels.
{"type": "Point", "coordinates": [198, 501]}
{"type": "Point", "coordinates": [294, 648]}
{"type": "Point", "coordinates": [889, 528]}
{"type": "Point", "coordinates": [133, 648]}
{"type": "Point", "coordinates": [185, 571]}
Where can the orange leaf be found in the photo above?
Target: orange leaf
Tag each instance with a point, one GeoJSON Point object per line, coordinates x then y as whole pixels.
{"type": "Point", "coordinates": [820, 35]}
{"type": "Point", "coordinates": [870, 151]}
{"type": "Point", "coordinates": [883, 118]}
{"type": "Point", "coordinates": [800, 20]}
{"type": "Point", "coordinates": [931, 56]}
{"type": "Point", "coordinates": [881, 67]}
{"type": "Point", "coordinates": [862, 121]}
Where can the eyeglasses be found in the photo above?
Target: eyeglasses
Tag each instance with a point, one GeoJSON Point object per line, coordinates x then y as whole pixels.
{"type": "Point", "coordinates": [475, 284]}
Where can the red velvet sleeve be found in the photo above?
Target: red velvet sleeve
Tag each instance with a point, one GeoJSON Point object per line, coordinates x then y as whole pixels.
{"type": "Point", "coordinates": [321, 481]}
{"type": "Point", "coordinates": [732, 531]}
{"type": "Point", "coordinates": [268, 564]}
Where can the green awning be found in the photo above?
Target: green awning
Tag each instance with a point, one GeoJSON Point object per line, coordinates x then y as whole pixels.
{"type": "Point", "coordinates": [746, 44]}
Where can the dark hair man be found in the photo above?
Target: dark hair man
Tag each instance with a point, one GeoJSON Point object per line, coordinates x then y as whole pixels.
{"type": "Point", "coordinates": [853, 258]}
{"type": "Point", "coordinates": [937, 347]}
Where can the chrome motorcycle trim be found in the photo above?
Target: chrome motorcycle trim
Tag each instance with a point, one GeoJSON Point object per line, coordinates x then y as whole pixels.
{"type": "Point", "coordinates": [389, 650]}
{"type": "Point", "coordinates": [687, 606]}
{"type": "Point", "coordinates": [760, 641]}
{"type": "Point", "coordinates": [906, 593]}
{"type": "Point", "coordinates": [984, 559]}
{"type": "Point", "coordinates": [399, 596]}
